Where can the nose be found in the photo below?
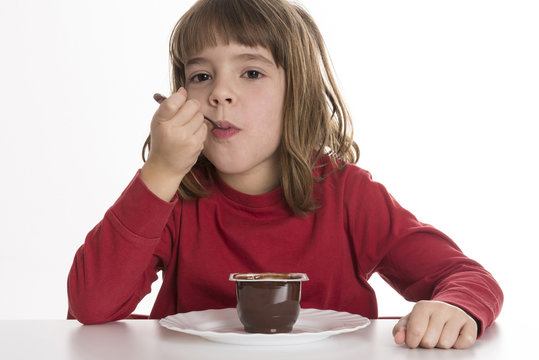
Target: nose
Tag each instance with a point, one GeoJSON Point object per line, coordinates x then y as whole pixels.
{"type": "Point", "coordinates": [222, 94]}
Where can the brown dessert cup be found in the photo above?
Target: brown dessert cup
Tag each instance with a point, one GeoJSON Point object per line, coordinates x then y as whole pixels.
{"type": "Point", "coordinates": [268, 303]}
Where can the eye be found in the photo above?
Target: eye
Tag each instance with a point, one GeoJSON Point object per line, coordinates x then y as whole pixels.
{"type": "Point", "coordinates": [253, 74]}
{"type": "Point", "coordinates": [200, 77]}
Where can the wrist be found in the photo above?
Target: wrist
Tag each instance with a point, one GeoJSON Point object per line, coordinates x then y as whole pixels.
{"type": "Point", "coordinates": [159, 181]}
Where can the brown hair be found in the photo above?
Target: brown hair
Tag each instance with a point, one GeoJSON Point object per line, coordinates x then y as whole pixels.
{"type": "Point", "coordinates": [315, 118]}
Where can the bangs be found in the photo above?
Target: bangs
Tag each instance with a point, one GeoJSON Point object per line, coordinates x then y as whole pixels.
{"type": "Point", "coordinates": [212, 21]}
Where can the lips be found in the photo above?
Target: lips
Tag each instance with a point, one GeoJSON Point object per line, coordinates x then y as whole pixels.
{"type": "Point", "coordinates": [226, 125]}
{"type": "Point", "coordinates": [226, 131]}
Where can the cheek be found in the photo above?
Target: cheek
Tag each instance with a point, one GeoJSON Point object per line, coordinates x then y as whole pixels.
{"type": "Point", "coordinates": [267, 111]}
{"type": "Point", "coordinates": [268, 126]}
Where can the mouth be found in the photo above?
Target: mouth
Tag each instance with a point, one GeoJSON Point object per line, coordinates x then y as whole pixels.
{"type": "Point", "coordinates": [224, 125]}
{"type": "Point", "coordinates": [219, 124]}
{"type": "Point", "coordinates": [223, 130]}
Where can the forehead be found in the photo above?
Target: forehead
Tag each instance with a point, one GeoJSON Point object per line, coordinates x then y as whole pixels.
{"type": "Point", "coordinates": [232, 52]}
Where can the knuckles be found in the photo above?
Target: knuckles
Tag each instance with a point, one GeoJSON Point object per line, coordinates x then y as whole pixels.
{"type": "Point", "coordinates": [428, 344]}
{"type": "Point", "coordinates": [444, 344]}
{"type": "Point", "coordinates": [466, 341]}
{"type": "Point", "coordinates": [169, 107]}
{"type": "Point", "coordinates": [414, 336]}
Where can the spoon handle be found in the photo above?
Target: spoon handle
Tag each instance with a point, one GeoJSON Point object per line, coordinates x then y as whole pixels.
{"type": "Point", "coordinates": [160, 98]}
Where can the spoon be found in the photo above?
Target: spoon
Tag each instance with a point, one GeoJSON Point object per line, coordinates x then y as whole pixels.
{"type": "Point", "coordinates": [160, 98]}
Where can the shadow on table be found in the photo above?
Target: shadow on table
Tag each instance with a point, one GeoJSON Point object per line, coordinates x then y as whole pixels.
{"type": "Point", "coordinates": [107, 341]}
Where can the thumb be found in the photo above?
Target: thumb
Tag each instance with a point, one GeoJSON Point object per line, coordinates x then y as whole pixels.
{"type": "Point", "coordinates": [399, 330]}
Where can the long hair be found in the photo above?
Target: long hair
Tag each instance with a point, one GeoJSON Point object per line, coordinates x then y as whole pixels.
{"type": "Point", "coordinates": [315, 119]}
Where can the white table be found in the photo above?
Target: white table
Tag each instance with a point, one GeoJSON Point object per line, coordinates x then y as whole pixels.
{"type": "Point", "coordinates": [146, 339]}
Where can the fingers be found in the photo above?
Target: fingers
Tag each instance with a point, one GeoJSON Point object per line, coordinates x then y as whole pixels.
{"type": "Point", "coordinates": [435, 327]}
{"type": "Point", "coordinates": [160, 98]}
{"type": "Point", "coordinates": [399, 330]}
{"type": "Point", "coordinates": [178, 132]}
{"type": "Point", "coordinates": [467, 336]}
{"type": "Point", "coordinates": [185, 113]}
{"type": "Point", "coordinates": [195, 128]}
{"type": "Point", "coordinates": [417, 326]}
{"type": "Point", "coordinates": [169, 107]}
{"type": "Point", "coordinates": [436, 324]}
{"type": "Point", "coordinates": [176, 108]}
{"type": "Point", "coordinates": [201, 134]}
{"type": "Point", "coordinates": [449, 334]}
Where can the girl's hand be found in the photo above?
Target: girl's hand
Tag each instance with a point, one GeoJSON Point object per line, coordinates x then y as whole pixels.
{"type": "Point", "coordinates": [178, 132]}
{"type": "Point", "coordinates": [436, 324]}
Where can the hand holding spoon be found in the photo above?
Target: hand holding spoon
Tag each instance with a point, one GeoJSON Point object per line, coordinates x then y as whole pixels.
{"type": "Point", "coordinates": [160, 98]}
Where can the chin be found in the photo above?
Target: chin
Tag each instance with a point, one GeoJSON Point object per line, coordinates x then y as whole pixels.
{"type": "Point", "coordinates": [228, 166]}
{"type": "Point", "coordinates": [240, 162]}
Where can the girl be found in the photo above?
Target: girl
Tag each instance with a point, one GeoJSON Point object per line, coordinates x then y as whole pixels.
{"type": "Point", "coordinates": [250, 169]}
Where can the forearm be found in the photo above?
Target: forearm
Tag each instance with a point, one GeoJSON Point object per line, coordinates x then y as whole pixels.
{"type": "Point", "coordinates": [451, 277]}
{"type": "Point", "coordinates": [114, 268]}
{"type": "Point", "coordinates": [110, 274]}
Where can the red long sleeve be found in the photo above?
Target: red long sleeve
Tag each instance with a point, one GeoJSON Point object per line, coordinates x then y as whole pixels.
{"type": "Point", "coordinates": [358, 230]}
{"type": "Point", "coordinates": [422, 263]}
{"type": "Point", "coordinates": [115, 267]}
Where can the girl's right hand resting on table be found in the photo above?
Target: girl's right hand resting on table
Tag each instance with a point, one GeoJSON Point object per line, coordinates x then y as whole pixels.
{"type": "Point", "coordinates": [178, 132]}
{"type": "Point", "coordinates": [436, 324]}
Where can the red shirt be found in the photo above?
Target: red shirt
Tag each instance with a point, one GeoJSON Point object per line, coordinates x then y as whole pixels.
{"type": "Point", "coordinates": [358, 230]}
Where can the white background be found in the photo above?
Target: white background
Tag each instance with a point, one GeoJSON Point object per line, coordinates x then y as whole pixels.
{"type": "Point", "coordinates": [444, 96]}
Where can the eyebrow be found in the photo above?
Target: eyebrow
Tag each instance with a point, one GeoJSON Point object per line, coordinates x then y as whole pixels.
{"type": "Point", "coordinates": [196, 61]}
{"type": "Point", "coordinates": [245, 56]}
{"type": "Point", "coordinates": [254, 57]}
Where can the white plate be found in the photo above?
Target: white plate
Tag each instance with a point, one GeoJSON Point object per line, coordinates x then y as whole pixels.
{"type": "Point", "coordinates": [224, 326]}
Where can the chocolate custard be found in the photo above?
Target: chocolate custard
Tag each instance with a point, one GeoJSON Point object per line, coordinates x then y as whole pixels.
{"type": "Point", "coordinates": [268, 303]}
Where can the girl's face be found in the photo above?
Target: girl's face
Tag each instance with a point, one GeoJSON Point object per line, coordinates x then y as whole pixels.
{"type": "Point", "coordinates": [243, 90]}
